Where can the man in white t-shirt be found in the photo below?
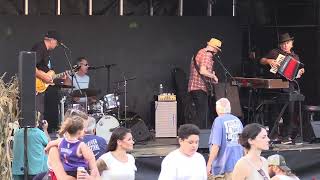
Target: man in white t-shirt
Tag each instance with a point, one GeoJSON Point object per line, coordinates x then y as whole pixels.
{"type": "Point", "coordinates": [185, 163]}
{"type": "Point", "coordinates": [80, 80]}
{"type": "Point", "coordinates": [80, 76]}
{"type": "Point", "coordinates": [278, 168]}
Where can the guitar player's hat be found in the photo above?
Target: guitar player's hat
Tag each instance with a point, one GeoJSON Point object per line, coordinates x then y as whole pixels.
{"type": "Point", "coordinates": [216, 43]}
{"type": "Point", "coordinates": [284, 38]}
{"type": "Point", "coordinates": [54, 35]}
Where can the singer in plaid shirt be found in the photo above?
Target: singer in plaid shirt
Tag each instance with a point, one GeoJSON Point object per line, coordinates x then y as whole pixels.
{"type": "Point", "coordinates": [196, 86]}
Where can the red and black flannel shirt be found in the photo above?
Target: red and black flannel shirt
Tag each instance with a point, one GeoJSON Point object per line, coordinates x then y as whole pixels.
{"type": "Point", "coordinates": [203, 58]}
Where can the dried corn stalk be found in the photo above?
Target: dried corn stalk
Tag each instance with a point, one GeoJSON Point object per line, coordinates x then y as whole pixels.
{"type": "Point", "coordinates": [9, 114]}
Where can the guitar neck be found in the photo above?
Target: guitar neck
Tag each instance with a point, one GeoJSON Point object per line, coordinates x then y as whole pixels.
{"type": "Point", "coordinates": [57, 76]}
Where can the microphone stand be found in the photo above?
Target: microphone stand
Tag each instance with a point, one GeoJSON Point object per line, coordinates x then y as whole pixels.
{"type": "Point", "coordinates": [108, 76]}
{"type": "Point", "coordinates": [72, 73]}
{"type": "Point", "coordinates": [108, 66]}
{"type": "Point", "coordinates": [226, 73]}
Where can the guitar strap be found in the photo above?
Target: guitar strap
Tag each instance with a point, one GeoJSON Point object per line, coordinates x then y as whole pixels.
{"type": "Point", "coordinates": [202, 76]}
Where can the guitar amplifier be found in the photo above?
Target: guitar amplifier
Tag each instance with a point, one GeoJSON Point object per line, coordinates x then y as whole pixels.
{"type": "Point", "coordinates": [166, 119]}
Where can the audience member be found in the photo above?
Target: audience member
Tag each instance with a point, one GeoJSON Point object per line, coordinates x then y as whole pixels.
{"type": "Point", "coordinates": [37, 160]}
{"type": "Point", "coordinates": [279, 170]}
{"type": "Point", "coordinates": [73, 152]}
{"type": "Point", "coordinates": [185, 163]}
{"type": "Point", "coordinates": [117, 164]}
{"type": "Point", "coordinates": [224, 146]}
{"type": "Point", "coordinates": [97, 144]}
{"type": "Point", "coordinates": [254, 138]}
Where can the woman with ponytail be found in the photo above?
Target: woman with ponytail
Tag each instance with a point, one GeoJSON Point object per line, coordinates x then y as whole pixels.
{"type": "Point", "coordinates": [252, 166]}
{"type": "Point", "coordinates": [73, 152]}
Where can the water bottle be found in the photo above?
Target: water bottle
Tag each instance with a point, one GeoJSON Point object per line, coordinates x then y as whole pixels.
{"type": "Point", "coordinates": [160, 89]}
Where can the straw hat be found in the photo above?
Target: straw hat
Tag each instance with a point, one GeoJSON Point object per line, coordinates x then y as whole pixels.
{"type": "Point", "coordinates": [216, 43]}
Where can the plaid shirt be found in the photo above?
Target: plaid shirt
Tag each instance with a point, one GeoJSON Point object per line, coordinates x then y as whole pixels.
{"type": "Point", "coordinates": [203, 58]}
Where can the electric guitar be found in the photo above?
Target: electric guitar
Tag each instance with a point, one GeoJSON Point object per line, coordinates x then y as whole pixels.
{"type": "Point", "coordinates": [42, 86]}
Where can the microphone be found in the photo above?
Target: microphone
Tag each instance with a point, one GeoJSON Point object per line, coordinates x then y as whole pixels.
{"type": "Point", "coordinates": [214, 54]}
{"type": "Point", "coordinates": [63, 45]}
{"type": "Point", "coordinates": [301, 64]}
{"type": "Point", "coordinates": [100, 67]}
{"type": "Point", "coordinates": [92, 68]}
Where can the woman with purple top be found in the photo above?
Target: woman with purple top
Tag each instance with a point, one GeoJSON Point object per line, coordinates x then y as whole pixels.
{"type": "Point", "coordinates": [73, 152]}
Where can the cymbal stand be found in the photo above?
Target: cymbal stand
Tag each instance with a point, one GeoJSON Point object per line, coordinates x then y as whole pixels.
{"type": "Point", "coordinates": [125, 100]}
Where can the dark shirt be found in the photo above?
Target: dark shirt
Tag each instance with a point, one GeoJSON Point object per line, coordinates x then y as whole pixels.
{"type": "Point", "coordinates": [43, 56]}
{"type": "Point", "coordinates": [273, 54]}
{"type": "Point", "coordinates": [97, 144]}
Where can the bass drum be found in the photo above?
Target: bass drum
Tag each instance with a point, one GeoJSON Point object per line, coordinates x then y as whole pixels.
{"type": "Point", "coordinates": [105, 126]}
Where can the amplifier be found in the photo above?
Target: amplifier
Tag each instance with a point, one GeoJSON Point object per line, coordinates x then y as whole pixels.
{"type": "Point", "coordinates": [166, 119]}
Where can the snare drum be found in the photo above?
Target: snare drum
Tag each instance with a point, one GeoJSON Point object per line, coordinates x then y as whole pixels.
{"type": "Point", "coordinates": [111, 101]}
{"type": "Point", "coordinates": [105, 126]}
{"type": "Point", "coordinates": [79, 107]}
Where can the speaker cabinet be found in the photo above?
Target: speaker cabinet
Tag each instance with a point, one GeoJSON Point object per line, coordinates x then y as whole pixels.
{"type": "Point", "coordinates": [316, 128]}
{"type": "Point", "coordinates": [139, 130]}
{"type": "Point", "coordinates": [27, 66]}
{"type": "Point", "coordinates": [204, 138]}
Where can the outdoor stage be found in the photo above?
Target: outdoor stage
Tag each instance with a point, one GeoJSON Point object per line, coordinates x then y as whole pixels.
{"type": "Point", "coordinates": [303, 159]}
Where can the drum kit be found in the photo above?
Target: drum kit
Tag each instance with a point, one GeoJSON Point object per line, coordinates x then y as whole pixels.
{"type": "Point", "coordinates": [106, 110]}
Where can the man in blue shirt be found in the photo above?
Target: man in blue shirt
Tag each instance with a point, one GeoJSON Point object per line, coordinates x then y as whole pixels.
{"type": "Point", "coordinates": [225, 150]}
{"type": "Point", "coordinates": [97, 144]}
{"type": "Point", "coordinates": [37, 159]}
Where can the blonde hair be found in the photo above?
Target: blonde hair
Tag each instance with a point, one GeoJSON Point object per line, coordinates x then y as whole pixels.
{"type": "Point", "coordinates": [71, 125]}
{"type": "Point", "coordinates": [75, 112]}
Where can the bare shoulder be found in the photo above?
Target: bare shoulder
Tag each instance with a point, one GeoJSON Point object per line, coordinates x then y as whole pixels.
{"type": "Point", "coordinates": [241, 170]}
{"type": "Point", "coordinates": [275, 178]}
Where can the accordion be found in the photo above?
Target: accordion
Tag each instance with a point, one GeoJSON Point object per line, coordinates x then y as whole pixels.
{"type": "Point", "coordinates": [288, 68]}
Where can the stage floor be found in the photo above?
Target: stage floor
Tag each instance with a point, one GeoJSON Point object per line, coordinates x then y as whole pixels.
{"type": "Point", "coordinates": [162, 146]}
{"type": "Point", "coordinates": [303, 159]}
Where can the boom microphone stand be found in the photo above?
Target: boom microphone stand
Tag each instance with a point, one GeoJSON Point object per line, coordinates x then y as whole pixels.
{"type": "Point", "coordinates": [73, 77]}
{"type": "Point", "coordinates": [226, 73]}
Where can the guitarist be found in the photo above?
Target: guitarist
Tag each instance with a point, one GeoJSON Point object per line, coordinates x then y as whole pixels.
{"type": "Point", "coordinates": [43, 49]}
{"type": "Point", "coordinates": [201, 78]}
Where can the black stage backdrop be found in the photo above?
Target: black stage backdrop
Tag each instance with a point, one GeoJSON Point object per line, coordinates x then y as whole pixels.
{"type": "Point", "coordinates": [147, 48]}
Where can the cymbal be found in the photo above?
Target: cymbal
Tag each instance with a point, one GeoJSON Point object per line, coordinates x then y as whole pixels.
{"type": "Point", "coordinates": [85, 92]}
{"type": "Point", "coordinates": [63, 86]}
{"type": "Point", "coordinates": [129, 79]}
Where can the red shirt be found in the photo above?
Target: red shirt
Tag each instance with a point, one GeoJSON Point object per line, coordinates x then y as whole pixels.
{"type": "Point", "coordinates": [203, 58]}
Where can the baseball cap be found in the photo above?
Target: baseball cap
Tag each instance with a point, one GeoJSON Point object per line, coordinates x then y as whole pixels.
{"type": "Point", "coordinates": [278, 160]}
{"type": "Point", "coordinates": [54, 35]}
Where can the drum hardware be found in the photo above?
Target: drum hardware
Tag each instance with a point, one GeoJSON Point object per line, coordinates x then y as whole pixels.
{"type": "Point", "coordinates": [61, 109]}
{"type": "Point", "coordinates": [124, 81]}
{"type": "Point", "coordinates": [89, 92]}
{"type": "Point", "coordinates": [111, 101]}
{"type": "Point", "coordinates": [96, 107]}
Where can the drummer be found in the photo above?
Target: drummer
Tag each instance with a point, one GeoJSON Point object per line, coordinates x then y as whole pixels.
{"type": "Point", "coordinates": [80, 80]}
